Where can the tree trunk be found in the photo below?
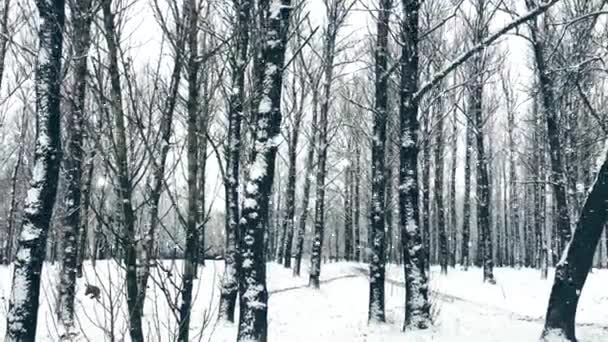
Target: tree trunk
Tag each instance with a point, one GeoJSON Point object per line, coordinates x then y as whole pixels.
{"type": "Point", "coordinates": [290, 201]}
{"type": "Point", "coordinates": [466, 214]}
{"type": "Point", "coordinates": [312, 144]}
{"type": "Point", "coordinates": [4, 37]}
{"type": "Point", "coordinates": [438, 188]}
{"type": "Point", "coordinates": [513, 193]}
{"type": "Point", "coordinates": [348, 212]}
{"type": "Point", "coordinates": [124, 188]}
{"type": "Point", "coordinates": [357, 203]}
{"type": "Point", "coordinates": [548, 101]}
{"type": "Point", "coordinates": [192, 108]}
{"type": "Point", "coordinates": [378, 172]}
{"type": "Point", "coordinates": [229, 284]}
{"type": "Point", "coordinates": [319, 226]}
{"type": "Point", "coordinates": [81, 21]}
{"type": "Point", "coordinates": [454, 218]}
{"type": "Point", "coordinates": [417, 306]}
{"type": "Point", "coordinates": [254, 218]}
{"type": "Point", "coordinates": [83, 235]}
{"type": "Point", "coordinates": [483, 190]}
{"type": "Point", "coordinates": [571, 272]}
{"type": "Point", "coordinates": [31, 247]}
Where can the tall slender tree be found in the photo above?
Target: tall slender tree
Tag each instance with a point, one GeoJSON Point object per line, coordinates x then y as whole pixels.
{"type": "Point", "coordinates": [191, 252]}
{"type": "Point", "coordinates": [82, 15]}
{"type": "Point", "coordinates": [124, 188]}
{"type": "Point", "coordinates": [337, 12]}
{"type": "Point", "coordinates": [22, 314]}
{"type": "Point", "coordinates": [235, 113]}
{"type": "Point", "coordinates": [378, 172]}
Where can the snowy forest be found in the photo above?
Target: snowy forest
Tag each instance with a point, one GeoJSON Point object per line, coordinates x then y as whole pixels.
{"type": "Point", "coordinates": [303, 170]}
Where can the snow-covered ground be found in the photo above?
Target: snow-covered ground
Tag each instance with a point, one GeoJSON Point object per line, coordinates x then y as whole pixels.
{"type": "Point", "coordinates": [465, 309]}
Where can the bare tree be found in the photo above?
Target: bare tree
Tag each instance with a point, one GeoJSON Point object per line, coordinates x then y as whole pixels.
{"type": "Point", "coordinates": [377, 261]}
{"type": "Point", "coordinates": [238, 64]}
{"type": "Point", "coordinates": [31, 247]}
{"type": "Point", "coordinates": [253, 294]}
{"type": "Point", "coordinates": [337, 12]}
{"type": "Point", "coordinates": [82, 15]}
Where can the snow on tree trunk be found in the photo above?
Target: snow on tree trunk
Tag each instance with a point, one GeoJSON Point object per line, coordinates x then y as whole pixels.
{"type": "Point", "coordinates": [253, 294]}
{"type": "Point", "coordinates": [81, 20]}
{"type": "Point", "coordinates": [229, 283]}
{"type": "Point", "coordinates": [377, 262]}
{"type": "Point", "coordinates": [31, 246]}
{"type": "Point", "coordinates": [571, 271]}
{"type": "Point", "coordinates": [378, 173]}
{"type": "Point", "coordinates": [417, 307]}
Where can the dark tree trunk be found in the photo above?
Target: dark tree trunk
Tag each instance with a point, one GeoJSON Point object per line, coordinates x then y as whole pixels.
{"type": "Point", "coordinates": [571, 272]}
{"type": "Point", "coordinates": [513, 193]}
{"type": "Point", "coordinates": [417, 306]}
{"type": "Point", "coordinates": [454, 219]}
{"type": "Point", "coordinates": [306, 190]}
{"type": "Point", "coordinates": [426, 191]}
{"type": "Point", "coordinates": [31, 247]}
{"type": "Point", "coordinates": [4, 37]}
{"type": "Point", "coordinates": [483, 190]}
{"type": "Point", "coordinates": [238, 63]}
{"type": "Point", "coordinates": [348, 212]}
{"type": "Point", "coordinates": [438, 189]}
{"type": "Point", "coordinates": [253, 295]}
{"type": "Point", "coordinates": [356, 203]}
{"type": "Point", "coordinates": [290, 201]}
{"type": "Point", "coordinates": [388, 206]}
{"type": "Point", "coordinates": [466, 214]}
{"type": "Point", "coordinates": [378, 172]}
{"type": "Point", "coordinates": [81, 21]}
{"type": "Point", "coordinates": [549, 104]}
{"type": "Point", "coordinates": [192, 108]}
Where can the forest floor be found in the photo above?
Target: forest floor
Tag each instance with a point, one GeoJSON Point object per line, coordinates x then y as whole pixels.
{"type": "Point", "coordinates": [464, 308]}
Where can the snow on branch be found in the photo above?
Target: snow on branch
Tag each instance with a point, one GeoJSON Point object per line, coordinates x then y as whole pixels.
{"type": "Point", "coordinates": [441, 74]}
